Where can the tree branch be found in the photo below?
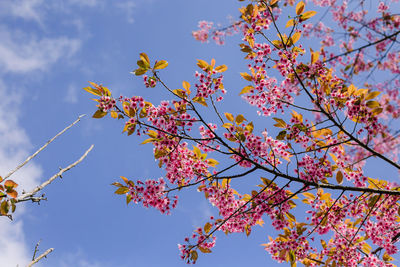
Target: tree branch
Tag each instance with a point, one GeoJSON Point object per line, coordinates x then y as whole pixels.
{"type": "Point", "coordinates": [30, 195]}
{"type": "Point", "coordinates": [43, 147]}
{"type": "Point", "coordinates": [40, 257]}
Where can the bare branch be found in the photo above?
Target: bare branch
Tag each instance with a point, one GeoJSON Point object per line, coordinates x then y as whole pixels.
{"type": "Point", "coordinates": [30, 195]}
{"type": "Point", "coordinates": [40, 257]}
{"type": "Point", "coordinates": [43, 147]}
{"type": "Point", "coordinates": [36, 250]}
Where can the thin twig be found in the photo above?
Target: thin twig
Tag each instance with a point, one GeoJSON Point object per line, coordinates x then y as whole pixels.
{"type": "Point", "coordinates": [40, 257]}
{"type": "Point", "coordinates": [36, 250]}
{"type": "Point", "coordinates": [43, 147]}
{"type": "Point", "coordinates": [30, 195]}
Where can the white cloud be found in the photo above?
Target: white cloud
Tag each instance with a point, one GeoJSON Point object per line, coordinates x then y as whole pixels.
{"type": "Point", "coordinates": [23, 53]}
{"type": "Point", "coordinates": [13, 250]}
{"type": "Point", "coordinates": [128, 7]}
{"type": "Point", "coordinates": [25, 9]}
{"type": "Point", "coordinates": [15, 147]}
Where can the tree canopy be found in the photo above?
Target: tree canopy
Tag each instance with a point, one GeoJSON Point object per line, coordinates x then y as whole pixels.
{"type": "Point", "coordinates": [326, 74]}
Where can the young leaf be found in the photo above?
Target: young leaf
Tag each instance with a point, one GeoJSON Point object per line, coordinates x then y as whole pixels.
{"type": "Point", "coordinates": [204, 250]}
{"type": "Point", "coordinates": [162, 64]}
{"type": "Point", "coordinates": [249, 127]}
{"type": "Point", "coordinates": [114, 114]}
{"type": "Point", "coordinates": [295, 37]}
{"type": "Point", "coordinates": [372, 95]}
{"type": "Point", "coordinates": [339, 177]}
{"type": "Point", "coordinates": [229, 116]}
{"type": "Point", "coordinates": [308, 15]}
{"type": "Point", "coordinates": [4, 208]}
{"type": "Point", "coordinates": [212, 162]}
{"type": "Point", "coordinates": [99, 114]}
{"type": "Point", "coordinates": [193, 255]}
{"type": "Point", "coordinates": [92, 90]}
{"type": "Point", "coordinates": [145, 59]}
{"type": "Point", "coordinates": [186, 86]}
{"type": "Point", "coordinates": [200, 100]}
{"type": "Point", "coordinates": [207, 227]}
{"type": "Point", "coordinates": [202, 64]}
{"type": "Point", "coordinates": [246, 76]}
{"type": "Point", "coordinates": [122, 190]}
{"type": "Point", "coordinates": [290, 23]}
{"type": "Point", "coordinates": [372, 104]}
{"type": "Point", "coordinates": [246, 90]}
{"type": "Point", "coordinates": [10, 184]}
{"type": "Point", "coordinates": [314, 57]}
{"type": "Point", "coordinates": [12, 193]}
{"type": "Point", "coordinates": [140, 71]}
{"type": "Point", "coordinates": [280, 123]}
{"type": "Point", "coordinates": [300, 8]}
{"type": "Point", "coordinates": [141, 64]}
{"type": "Point", "coordinates": [239, 119]}
{"type": "Point", "coordinates": [227, 125]}
{"type": "Point", "coordinates": [221, 68]}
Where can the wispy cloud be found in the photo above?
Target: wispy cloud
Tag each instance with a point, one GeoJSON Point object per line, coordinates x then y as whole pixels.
{"type": "Point", "coordinates": [20, 52]}
{"type": "Point", "coordinates": [127, 7]}
{"type": "Point", "coordinates": [13, 249]}
{"type": "Point", "coordinates": [14, 148]}
{"type": "Point", "coordinates": [25, 9]}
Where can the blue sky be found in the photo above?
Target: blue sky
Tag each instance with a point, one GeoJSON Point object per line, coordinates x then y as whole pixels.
{"type": "Point", "coordinates": [48, 52]}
